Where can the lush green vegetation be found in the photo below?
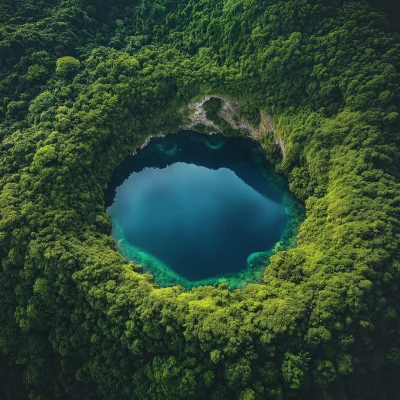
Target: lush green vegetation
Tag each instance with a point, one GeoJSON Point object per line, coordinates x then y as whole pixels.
{"type": "Point", "coordinates": [82, 83]}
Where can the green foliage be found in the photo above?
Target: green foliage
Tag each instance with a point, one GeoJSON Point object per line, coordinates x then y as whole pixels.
{"type": "Point", "coordinates": [250, 114]}
{"type": "Point", "coordinates": [79, 322]}
{"type": "Point", "coordinates": [294, 369]}
{"type": "Point", "coordinates": [67, 66]}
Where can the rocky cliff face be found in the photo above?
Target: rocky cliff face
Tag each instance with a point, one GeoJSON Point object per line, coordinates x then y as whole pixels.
{"type": "Point", "coordinates": [196, 118]}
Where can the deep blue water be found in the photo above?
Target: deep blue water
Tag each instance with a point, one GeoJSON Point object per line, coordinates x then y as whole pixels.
{"type": "Point", "coordinates": [199, 205]}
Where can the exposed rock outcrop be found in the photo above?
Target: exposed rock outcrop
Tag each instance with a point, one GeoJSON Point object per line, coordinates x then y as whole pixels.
{"type": "Point", "coordinates": [195, 116]}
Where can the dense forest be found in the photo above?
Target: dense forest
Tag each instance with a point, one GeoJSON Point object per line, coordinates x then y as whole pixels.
{"type": "Point", "coordinates": [82, 83]}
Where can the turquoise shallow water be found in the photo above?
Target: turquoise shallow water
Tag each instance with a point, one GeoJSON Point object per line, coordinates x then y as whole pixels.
{"type": "Point", "coordinates": [193, 209]}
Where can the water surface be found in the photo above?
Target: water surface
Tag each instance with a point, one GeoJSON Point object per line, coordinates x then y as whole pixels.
{"type": "Point", "coordinates": [192, 208]}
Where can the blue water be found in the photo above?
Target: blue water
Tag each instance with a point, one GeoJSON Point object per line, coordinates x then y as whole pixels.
{"type": "Point", "coordinates": [190, 207]}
